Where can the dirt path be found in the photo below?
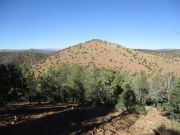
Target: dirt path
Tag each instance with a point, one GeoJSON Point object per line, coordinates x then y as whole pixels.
{"type": "Point", "coordinates": [115, 123]}
{"type": "Point", "coordinates": [147, 123]}
{"type": "Point", "coordinates": [118, 123]}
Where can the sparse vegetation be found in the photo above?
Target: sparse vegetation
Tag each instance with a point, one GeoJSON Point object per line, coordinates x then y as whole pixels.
{"type": "Point", "coordinates": [85, 76]}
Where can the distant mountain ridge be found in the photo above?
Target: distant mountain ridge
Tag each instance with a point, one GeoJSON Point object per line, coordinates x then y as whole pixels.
{"type": "Point", "coordinates": [47, 51]}
{"type": "Point", "coordinates": [173, 54]}
{"type": "Point", "coordinates": [18, 58]}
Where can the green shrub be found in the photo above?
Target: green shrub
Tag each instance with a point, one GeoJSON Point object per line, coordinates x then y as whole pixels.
{"type": "Point", "coordinates": [129, 99]}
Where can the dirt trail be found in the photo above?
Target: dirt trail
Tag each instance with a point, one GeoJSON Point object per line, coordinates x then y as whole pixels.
{"type": "Point", "coordinates": [147, 123]}
{"type": "Point", "coordinates": [115, 123]}
{"type": "Point", "coordinates": [131, 124]}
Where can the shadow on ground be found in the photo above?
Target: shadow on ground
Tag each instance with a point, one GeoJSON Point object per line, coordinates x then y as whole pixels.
{"type": "Point", "coordinates": [65, 122]}
{"type": "Point", "coordinates": [31, 109]}
{"type": "Point", "coordinates": [164, 131]}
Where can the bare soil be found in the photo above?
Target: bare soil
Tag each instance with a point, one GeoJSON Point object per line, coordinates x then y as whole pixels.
{"type": "Point", "coordinates": [74, 119]}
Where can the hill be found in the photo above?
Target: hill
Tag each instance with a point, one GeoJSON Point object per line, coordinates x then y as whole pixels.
{"type": "Point", "coordinates": [98, 53]}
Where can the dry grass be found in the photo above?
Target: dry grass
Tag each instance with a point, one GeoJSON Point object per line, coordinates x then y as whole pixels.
{"type": "Point", "coordinates": [103, 54]}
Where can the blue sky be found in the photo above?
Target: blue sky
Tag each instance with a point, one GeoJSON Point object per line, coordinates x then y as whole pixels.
{"type": "Point", "coordinates": [150, 24]}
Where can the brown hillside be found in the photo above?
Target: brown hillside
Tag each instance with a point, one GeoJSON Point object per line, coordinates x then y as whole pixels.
{"type": "Point", "coordinates": [98, 53]}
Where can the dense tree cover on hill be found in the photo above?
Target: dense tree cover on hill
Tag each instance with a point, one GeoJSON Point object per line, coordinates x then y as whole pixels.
{"type": "Point", "coordinates": [18, 58]}
{"type": "Point", "coordinates": [98, 86]}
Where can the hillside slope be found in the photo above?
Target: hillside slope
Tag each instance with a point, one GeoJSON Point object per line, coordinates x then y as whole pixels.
{"type": "Point", "coordinates": [166, 53]}
{"type": "Point", "coordinates": [98, 53]}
